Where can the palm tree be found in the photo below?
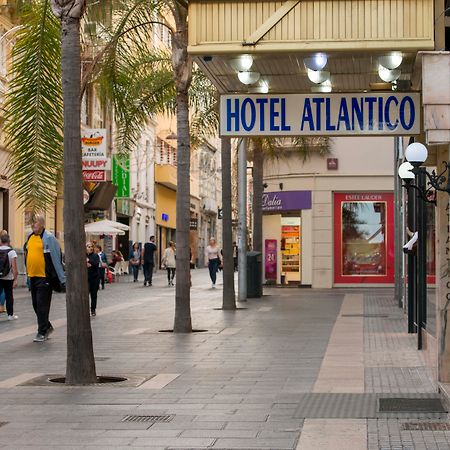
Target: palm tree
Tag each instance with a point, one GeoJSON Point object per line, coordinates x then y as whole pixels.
{"type": "Point", "coordinates": [80, 367]}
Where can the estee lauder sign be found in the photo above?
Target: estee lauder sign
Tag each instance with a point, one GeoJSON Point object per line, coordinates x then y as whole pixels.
{"type": "Point", "coordinates": [286, 201]}
{"type": "Point", "coordinates": [320, 114]}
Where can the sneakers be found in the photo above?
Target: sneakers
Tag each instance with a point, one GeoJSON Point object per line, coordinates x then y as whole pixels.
{"type": "Point", "coordinates": [213, 286]}
{"type": "Point", "coordinates": [40, 338]}
{"type": "Point", "coordinates": [93, 313]}
{"type": "Point", "coordinates": [50, 330]}
{"type": "Point", "coordinates": [13, 317]}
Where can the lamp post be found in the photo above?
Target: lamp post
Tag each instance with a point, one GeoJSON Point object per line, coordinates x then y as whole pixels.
{"type": "Point", "coordinates": [404, 172]}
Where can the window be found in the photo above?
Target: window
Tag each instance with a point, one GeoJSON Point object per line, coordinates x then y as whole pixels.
{"type": "Point", "coordinates": [363, 238]}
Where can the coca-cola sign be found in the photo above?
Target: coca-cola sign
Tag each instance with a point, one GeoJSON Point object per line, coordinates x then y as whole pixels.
{"type": "Point", "coordinates": [286, 201]}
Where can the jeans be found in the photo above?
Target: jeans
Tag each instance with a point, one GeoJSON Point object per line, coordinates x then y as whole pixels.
{"type": "Point", "coordinates": [213, 266]}
{"type": "Point", "coordinates": [170, 274]}
{"type": "Point", "coordinates": [2, 297]}
{"type": "Point", "coordinates": [148, 272]}
{"type": "Point", "coordinates": [102, 271]}
{"type": "Point", "coordinates": [94, 284]}
{"type": "Point", "coordinates": [41, 296]}
{"type": "Point", "coordinates": [7, 287]}
{"type": "Point", "coordinates": [135, 270]}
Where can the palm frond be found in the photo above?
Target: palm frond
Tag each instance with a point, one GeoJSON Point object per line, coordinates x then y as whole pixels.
{"type": "Point", "coordinates": [34, 109]}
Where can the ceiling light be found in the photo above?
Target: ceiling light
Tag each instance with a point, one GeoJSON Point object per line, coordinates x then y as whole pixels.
{"type": "Point", "coordinates": [388, 75]}
{"type": "Point", "coordinates": [248, 77]}
{"type": "Point", "coordinates": [318, 76]}
{"type": "Point", "coordinates": [242, 64]}
{"type": "Point", "coordinates": [324, 87]}
{"type": "Point", "coordinates": [391, 61]}
{"type": "Point", "coordinates": [316, 62]}
{"type": "Point", "coordinates": [261, 88]}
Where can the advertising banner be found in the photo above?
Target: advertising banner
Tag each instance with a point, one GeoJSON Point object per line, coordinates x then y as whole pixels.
{"type": "Point", "coordinates": [270, 259]}
{"type": "Point", "coordinates": [97, 164]}
{"type": "Point", "coordinates": [121, 175]}
{"type": "Point", "coordinates": [93, 143]}
{"type": "Point", "coordinates": [94, 175]}
{"type": "Point", "coordinates": [346, 114]}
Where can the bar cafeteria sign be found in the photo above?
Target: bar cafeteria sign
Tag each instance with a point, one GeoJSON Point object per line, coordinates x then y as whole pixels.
{"type": "Point", "coordinates": [93, 150]}
{"type": "Point", "coordinates": [320, 114]}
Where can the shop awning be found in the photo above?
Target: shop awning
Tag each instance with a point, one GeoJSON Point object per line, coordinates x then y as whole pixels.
{"type": "Point", "coordinates": [105, 227]}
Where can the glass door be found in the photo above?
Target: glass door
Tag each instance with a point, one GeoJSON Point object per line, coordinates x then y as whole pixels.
{"type": "Point", "coordinates": [290, 249]}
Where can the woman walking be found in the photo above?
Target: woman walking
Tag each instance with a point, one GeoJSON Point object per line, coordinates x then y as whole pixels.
{"type": "Point", "coordinates": [8, 267]}
{"type": "Point", "coordinates": [135, 261]}
{"type": "Point", "coordinates": [213, 260]}
{"type": "Point", "coordinates": [93, 268]}
{"type": "Point", "coordinates": [169, 262]}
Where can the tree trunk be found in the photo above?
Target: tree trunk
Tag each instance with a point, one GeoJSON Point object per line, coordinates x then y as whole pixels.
{"type": "Point", "coordinates": [228, 299]}
{"type": "Point", "coordinates": [182, 67]}
{"type": "Point", "coordinates": [258, 169]}
{"type": "Point", "coordinates": [80, 355]}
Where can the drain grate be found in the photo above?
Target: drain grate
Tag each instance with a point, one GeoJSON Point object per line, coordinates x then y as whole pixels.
{"type": "Point", "coordinates": [365, 315]}
{"type": "Point", "coordinates": [2, 424]}
{"type": "Point", "coordinates": [165, 418]}
{"type": "Point", "coordinates": [426, 426]}
{"type": "Point", "coordinates": [426, 405]}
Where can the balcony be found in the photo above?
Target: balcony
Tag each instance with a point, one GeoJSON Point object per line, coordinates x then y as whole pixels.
{"type": "Point", "coordinates": [166, 175]}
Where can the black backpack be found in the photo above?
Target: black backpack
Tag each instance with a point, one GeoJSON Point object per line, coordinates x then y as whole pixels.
{"type": "Point", "coordinates": [5, 267]}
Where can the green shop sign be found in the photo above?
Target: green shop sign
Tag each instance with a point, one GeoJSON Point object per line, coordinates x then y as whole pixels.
{"type": "Point", "coordinates": [121, 175]}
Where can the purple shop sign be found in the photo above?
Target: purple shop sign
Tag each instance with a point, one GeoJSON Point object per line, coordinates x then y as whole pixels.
{"type": "Point", "coordinates": [286, 201]}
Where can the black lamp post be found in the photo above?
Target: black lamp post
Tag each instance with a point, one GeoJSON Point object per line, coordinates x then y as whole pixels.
{"type": "Point", "coordinates": [425, 184]}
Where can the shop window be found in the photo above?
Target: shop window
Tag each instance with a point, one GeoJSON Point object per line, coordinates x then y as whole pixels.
{"type": "Point", "coordinates": [290, 249]}
{"type": "Point", "coordinates": [363, 238]}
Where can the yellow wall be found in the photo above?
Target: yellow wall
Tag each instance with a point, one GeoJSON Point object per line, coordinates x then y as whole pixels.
{"type": "Point", "coordinates": [221, 26]}
{"type": "Point", "coordinates": [165, 204]}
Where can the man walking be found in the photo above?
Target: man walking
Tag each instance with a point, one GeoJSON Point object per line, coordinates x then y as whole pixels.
{"type": "Point", "coordinates": [148, 260]}
{"type": "Point", "coordinates": [46, 272]}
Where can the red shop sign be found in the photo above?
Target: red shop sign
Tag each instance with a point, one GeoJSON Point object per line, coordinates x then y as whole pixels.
{"type": "Point", "coordinates": [94, 175]}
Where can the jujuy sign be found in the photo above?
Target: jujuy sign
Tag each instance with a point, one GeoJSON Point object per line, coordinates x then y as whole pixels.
{"type": "Point", "coordinates": [320, 114]}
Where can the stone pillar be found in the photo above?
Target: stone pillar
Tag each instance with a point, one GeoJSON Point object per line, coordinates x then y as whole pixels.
{"type": "Point", "coordinates": [443, 277]}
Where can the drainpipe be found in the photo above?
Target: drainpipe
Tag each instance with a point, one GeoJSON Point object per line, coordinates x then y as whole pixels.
{"type": "Point", "coordinates": [242, 221]}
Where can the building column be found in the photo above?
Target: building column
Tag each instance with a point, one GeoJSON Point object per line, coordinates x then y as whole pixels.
{"type": "Point", "coordinates": [443, 277]}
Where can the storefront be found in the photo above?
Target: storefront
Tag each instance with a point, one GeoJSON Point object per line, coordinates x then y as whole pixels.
{"type": "Point", "coordinates": [287, 237]}
{"type": "Point", "coordinates": [363, 238]}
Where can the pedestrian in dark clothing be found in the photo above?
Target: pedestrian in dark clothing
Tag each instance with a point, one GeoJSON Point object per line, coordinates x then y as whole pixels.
{"type": "Point", "coordinates": [103, 264]}
{"type": "Point", "coordinates": [9, 272]}
{"type": "Point", "coordinates": [93, 266]}
{"type": "Point", "coordinates": [135, 261]}
{"type": "Point", "coordinates": [45, 271]}
{"type": "Point", "coordinates": [148, 260]}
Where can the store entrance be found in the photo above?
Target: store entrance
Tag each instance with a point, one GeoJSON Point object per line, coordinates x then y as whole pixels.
{"type": "Point", "coordinates": [291, 250]}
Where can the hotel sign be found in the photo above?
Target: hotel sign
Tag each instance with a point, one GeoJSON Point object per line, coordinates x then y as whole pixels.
{"type": "Point", "coordinates": [320, 114]}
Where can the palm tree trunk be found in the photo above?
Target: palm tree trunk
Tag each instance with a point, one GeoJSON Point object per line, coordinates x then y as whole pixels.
{"type": "Point", "coordinates": [258, 169]}
{"type": "Point", "coordinates": [182, 67]}
{"type": "Point", "coordinates": [80, 355]}
{"type": "Point", "coordinates": [228, 299]}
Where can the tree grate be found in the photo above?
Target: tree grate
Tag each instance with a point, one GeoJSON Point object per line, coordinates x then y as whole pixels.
{"type": "Point", "coordinates": [165, 418]}
{"type": "Point", "coordinates": [426, 426]}
{"type": "Point", "coordinates": [427, 405]}
{"type": "Point", "coordinates": [2, 424]}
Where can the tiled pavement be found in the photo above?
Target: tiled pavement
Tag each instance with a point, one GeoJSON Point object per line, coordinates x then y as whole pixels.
{"type": "Point", "coordinates": [236, 386]}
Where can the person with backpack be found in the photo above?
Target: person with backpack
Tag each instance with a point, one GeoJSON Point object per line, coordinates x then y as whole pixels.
{"type": "Point", "coordinates": [45, 270]}
{"type": "Point", "coordinates": [8, 273]}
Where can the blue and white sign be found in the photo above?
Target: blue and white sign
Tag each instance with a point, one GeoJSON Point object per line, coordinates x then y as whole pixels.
{"type": "Point", "coordinates": [320, 114]}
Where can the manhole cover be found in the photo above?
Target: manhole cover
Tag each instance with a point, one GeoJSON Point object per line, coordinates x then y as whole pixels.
{"type": "Point", "coordinates": [165, 418]}
{"type": "Point", "coordinates": [426, 426]}
{"type": "Point", "coordinates": [2, 424]}
{"type": "Point", "coordinates": [365, 315]}
{"type": "Point", "coordinates": [411, 405]}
